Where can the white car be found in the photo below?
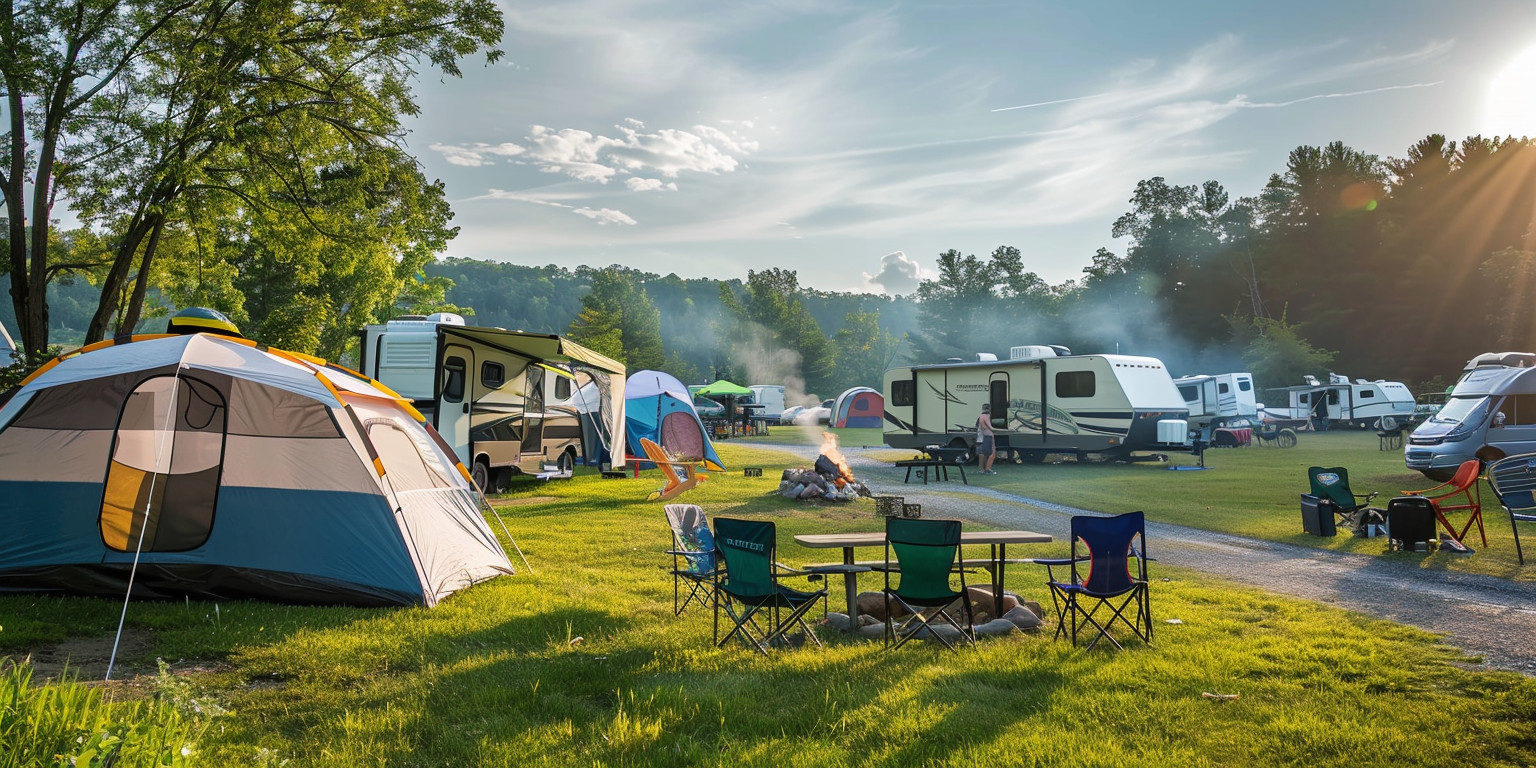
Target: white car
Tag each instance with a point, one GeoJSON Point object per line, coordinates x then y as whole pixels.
{"type": "Point", "coordinates": [788, 416]}
{"type": "Point", "coordinates": [816, 414]}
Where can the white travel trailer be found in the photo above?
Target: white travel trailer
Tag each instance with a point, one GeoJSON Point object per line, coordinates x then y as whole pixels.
{"type": "Point", "coordinates": [1359, 403]}
{"type": "Point", "coordinates": [1490, 414]}
{"type": "Point", "coordinates": [1214, 400]}
{"type": "Point", "coordinates": [1042, 401]}
{"type": "Point", "coordinates": [507, 401]}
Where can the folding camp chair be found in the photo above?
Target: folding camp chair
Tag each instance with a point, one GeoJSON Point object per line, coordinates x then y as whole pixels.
{"type": "Point", "coordinates": [926, 554]}
{"type": "Point", "coordinates": [748, 587]}
{"type": "Point", "coordinates": [693, 556]}
{"type": "Point", "coordinates": [681, 475]}
{"type": "Point", "coordinates": [1464, 485]}
{"type": "Point", "coordinates": [1105, 547]}
{"type": "Point", "coordinates": [1332, 483]}
{"type": "Point", "coordinates": [1514, 484]}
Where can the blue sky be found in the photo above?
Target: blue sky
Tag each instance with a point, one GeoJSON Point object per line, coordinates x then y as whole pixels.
{"type": "Point", "coordinates": [854, 141]}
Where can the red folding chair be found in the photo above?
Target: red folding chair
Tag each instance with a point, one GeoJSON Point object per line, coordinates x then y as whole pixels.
{"type": "Point", "coordinates": [1464, 485]}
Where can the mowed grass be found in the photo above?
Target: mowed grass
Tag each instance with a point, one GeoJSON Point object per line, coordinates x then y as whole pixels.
{"type": "Point", "coordinates": [581, 662]}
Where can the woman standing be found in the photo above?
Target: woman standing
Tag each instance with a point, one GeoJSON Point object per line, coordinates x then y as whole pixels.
{"type": "Point", "coordinates": [986, 443]}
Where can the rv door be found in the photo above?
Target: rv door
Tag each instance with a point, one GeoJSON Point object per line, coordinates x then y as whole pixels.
{"type": "Point", "coordinates": [453, 400]}
{"type": "Point", "coordinates": [533, 415]}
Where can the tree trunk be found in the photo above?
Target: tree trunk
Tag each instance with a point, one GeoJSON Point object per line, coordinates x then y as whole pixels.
{"type": "Point", "coordinates": [141, 283]}
{"type": "Point", "coordinates": [112, 284]}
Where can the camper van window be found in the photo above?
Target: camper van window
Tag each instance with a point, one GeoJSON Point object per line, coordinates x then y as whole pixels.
{"type": "Point", "coordinates": [902, 392]}
{"type": "Point", "coordinates": [453, 379]}
{"type": "Point", "coordinates": [562, 388]}
{"type": "Point", "coordinates": [1245, 385]}
{"type": "Point", "coordinates": [1190, 394]}
{"type": "Point", "coordinates": [492, 375]}
{"type": "Point", "coordinates": [1222, 388]}
{"type": "Point", "coordinates": [1524, 407]}
{"type": "Point", "coordinates": [1075, 384]}
{"type": "Point", "coordinates": [1364, 393]}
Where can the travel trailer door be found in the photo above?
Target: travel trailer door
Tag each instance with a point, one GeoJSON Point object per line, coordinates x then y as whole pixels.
{"type": "Point", "coordinates": [454, 400]}
{"type": "Point", "coordinates": [997, 398]}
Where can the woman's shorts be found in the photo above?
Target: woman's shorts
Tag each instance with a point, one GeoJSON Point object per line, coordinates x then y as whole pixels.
{"type": "Point", "coordinates": [983, 446]}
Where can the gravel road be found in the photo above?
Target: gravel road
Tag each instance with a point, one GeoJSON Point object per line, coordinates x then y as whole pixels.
{"type": "Point", "coordinates": [1486, 617]}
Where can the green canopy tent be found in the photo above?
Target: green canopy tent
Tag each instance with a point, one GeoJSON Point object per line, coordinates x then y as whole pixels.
{"type": "Point", "coordinates": [731, 392]}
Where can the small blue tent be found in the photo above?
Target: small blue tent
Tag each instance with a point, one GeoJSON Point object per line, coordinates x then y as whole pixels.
{"type": "Point", "coordinates": [658, 407]}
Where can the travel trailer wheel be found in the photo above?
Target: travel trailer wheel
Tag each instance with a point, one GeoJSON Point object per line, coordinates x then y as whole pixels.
{"type": "Point", "coordinates": [481, 474]}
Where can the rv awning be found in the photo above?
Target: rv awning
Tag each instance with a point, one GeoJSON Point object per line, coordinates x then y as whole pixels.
{"type": "Point", "coordinates": [540, 347]}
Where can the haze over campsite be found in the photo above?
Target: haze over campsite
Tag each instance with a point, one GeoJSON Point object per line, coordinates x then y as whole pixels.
{"type": "Point", "coordinates": [617, 382]}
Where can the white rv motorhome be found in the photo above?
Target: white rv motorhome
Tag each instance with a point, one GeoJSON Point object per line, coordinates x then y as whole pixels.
{"type": "Point", "coordinates": [1341, 402]}
{"type": "Point", "coordinates": [1216, 399]}
{"type": "Point", "coordinates": [1044, 400]}
{"type": "Point", "coordinates": [770, 397]}
{"type": "Point", "coordinates": [506, 401]}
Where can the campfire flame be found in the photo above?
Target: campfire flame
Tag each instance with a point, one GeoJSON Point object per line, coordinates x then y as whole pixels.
{"type": "Point", "coordinates": [829, 450]}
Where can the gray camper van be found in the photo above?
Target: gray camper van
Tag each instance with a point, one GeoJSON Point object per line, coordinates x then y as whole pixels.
{"type": "Point", "coordinates": [1490, 414]}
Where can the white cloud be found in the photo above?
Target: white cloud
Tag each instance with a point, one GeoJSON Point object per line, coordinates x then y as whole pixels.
{"type": "Point", "coordinates": [898, 274]}
{"type": "Point", "coordinates": [638, 184]}
{"type": "Point", "coordinates": [606, 216]}
{"type": "Point", "coordinates": [476, 155]}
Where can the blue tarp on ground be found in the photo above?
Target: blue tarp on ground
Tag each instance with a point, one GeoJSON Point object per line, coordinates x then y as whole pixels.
{"type": "Point", "coordinates": [658, 407]}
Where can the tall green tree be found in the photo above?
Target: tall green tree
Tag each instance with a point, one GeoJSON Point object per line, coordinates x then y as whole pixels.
{"type": "Point", "coordinates": [768, 333]}
{"type": "Point", "coordinates": [126, 107]}
{"type": "Point", "coordinates": [864, 350]}
{"type": "Point", "coordinates": [618, 319]}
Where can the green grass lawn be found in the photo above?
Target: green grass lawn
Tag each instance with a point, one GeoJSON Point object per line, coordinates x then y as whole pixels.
{"type": "Point", "coordinates": [581, 662]}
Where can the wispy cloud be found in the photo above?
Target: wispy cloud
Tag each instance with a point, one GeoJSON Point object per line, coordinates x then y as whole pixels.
{"type": "Point", "coordinates": [606, 216]}
{"type": "Point", "coordinates": [475, 155]}
{"type": "Point", "coordinates": [1243, 102]}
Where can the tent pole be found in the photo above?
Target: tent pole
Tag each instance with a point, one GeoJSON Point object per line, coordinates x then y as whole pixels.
{"type": "Point", "coordinates": [487, 502]}
{"type": "Point", "coordinates": [154, 477]}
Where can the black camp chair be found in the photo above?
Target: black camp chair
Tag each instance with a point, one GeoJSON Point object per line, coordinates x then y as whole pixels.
{"type": "Point", "coordinates": [1332, 483]}
{"type": "Point", "coordinates": [926, 553]}
{"type": "Point", "coordinates": [748, 587]}
{"type": "Point", "coordinates": [693, 556]}
{"type": "Point", "coordinates": [1100, 574]}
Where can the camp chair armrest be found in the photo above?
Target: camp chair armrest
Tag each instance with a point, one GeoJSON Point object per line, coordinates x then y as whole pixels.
{"type": "Point", "coordinates": [1366, 496]}
{"type": "Point", "coordinates": [1056, 561]}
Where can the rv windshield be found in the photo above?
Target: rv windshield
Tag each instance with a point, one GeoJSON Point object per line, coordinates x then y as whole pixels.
{"type": "Point", "coordinates": [1458, 410]}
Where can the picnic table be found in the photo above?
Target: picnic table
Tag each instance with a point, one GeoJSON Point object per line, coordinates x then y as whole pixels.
{"type": "Point", "coordinates": [935, 462]}
{"type": "Point", "coordinates": [997, 560]}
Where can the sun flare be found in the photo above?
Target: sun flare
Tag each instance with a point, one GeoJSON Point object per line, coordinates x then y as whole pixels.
{"type": "Point", "coordinates": [1512, 97]}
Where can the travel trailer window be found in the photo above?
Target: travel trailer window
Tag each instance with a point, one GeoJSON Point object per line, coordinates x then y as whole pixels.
{"type": "Point", "coordinates": [1245, 385]}
{"type": "Point", "coordinates": [1189, 393]}
{"type": "Point", "coordinates": [453, 379]}
{"type": "Point", "coordinates": [492, 375]}
{"type": "Point", "coordinates": [166, 457]}
{"type": "Point", "coordinates": [1304, 397]}
{"type": "Point", "coordinates": [1222, 388]}
{"type": "Point", "coordinates": [1075, 384]}
{"type": "Point", "coordinates": [1364, 393]}
{"type": "Point", "coordinates": [1333, 397]}
{"type": "Point", "coordinates": [562, 388]}
{"type": "Point", "coordinates": [902, 392]}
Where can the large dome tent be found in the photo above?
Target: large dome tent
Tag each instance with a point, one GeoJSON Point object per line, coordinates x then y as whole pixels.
{"type": "Point", "coordinates": [211, 467]}
{"type": "Point", "coordinates": [658, 407]}
{"type": "Point", "coordinates": [859, 408]}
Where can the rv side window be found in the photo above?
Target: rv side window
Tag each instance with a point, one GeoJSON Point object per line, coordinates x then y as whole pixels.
{"type": "Point", "coordinates": [1190, 394]}
{"type": "Point", "coordinates": [562, 388]}
{"type": "Point", "coordinates": [1222, 388]}
{"type": "Point", "coordinates": [1075, 384]}
{"type": "Point", "coordinates": [1304, 398]}
{"type": "Point", "coordinates": [903, 392]}
{"type": "Point", "coordinates": [492, 375]}
{"type": "Point", "coordinates": [1333, 397]}
{"type": "Point", "coordinates": [1244, 385]}
{"type": "Point", "coordinates": [1524, 409]}
{"type": "Point", "coordinates": [1364, 393]}
{"type": "Point", "coordinates": [453, 379]}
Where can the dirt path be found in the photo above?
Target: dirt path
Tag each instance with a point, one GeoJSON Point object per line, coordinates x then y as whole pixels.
{"type": "Point", "coordinates": [1494, 619]}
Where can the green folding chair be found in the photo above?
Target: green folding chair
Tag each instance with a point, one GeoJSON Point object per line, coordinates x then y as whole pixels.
{"type": "Point", "coordinates": [1332, 483]}
{"type": "Point", "coordinates": [926, 554]}
{"type": "Point", "coordinates": [747, 587]}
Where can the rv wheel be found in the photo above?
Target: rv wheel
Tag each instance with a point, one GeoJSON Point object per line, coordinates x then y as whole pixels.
{"type": "Point", "coordinates": [481, 474]}
{"type": "Point", "coordinates": [566, 462]}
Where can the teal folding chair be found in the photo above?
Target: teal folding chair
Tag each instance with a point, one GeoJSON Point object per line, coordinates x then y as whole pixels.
{"type": "Point", "coordinates": [747, 587]}
{"type": "Point", "coordinates": [926, 554]}
{"type": "Point", "coordinates": [1332, 483]}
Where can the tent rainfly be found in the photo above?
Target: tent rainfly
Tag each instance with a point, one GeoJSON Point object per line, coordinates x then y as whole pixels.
{"type": "Point", "coordinates": [211, 467]}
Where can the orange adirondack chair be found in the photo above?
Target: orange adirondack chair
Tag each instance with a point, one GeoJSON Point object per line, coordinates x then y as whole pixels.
{"type": "Point", "coordinates": [1464, 485]}
{"type": "Point", "coordinates": [681, 475]}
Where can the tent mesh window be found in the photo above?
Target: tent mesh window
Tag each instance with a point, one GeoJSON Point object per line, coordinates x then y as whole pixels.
{"type": "Point", "coordinates": [167, 454]}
